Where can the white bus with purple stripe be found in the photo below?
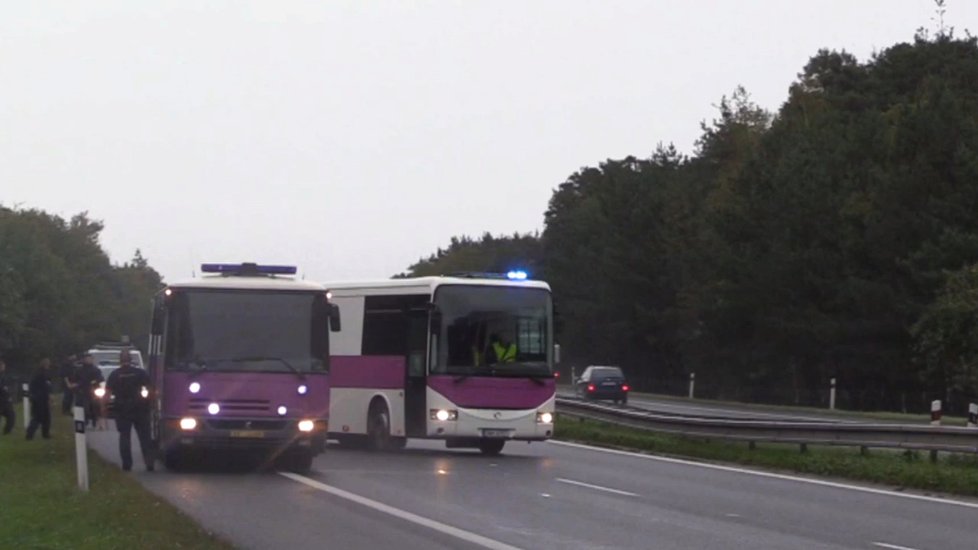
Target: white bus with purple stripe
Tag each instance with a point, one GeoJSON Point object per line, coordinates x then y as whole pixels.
{"type": "Point", "coordinates": [240, 360]}
{"type": "Point", "coordinates": [415, 360]}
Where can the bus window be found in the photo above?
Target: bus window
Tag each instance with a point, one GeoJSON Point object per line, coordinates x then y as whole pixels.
{"type": "Point", "coordinates": [386, 323]}
{"type": "Point", "coordinates": [472, 315]}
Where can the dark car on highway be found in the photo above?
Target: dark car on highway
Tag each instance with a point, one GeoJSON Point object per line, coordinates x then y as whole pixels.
{"type": "Point", "coordinates": [598, 382]}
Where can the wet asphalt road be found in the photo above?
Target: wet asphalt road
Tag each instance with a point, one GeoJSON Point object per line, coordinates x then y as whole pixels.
{"type": "Point", "coordinates": [548, 495]}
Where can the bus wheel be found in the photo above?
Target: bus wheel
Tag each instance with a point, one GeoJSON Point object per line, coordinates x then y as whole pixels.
{"type": "Point", "coordinates": [299, 461]}
{"type": "Point", "coordinates": [379, 429]}
{"type": "Point", "coordinates": [173, 460]}
{"type": "Point", "coordinates": [491, 447]}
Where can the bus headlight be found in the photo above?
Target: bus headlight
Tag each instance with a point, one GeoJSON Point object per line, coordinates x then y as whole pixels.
{"type": "Point", "coordinates": [100, 392]}
{"type": "Point", "coordinates": [545, 418]}
{"type": "Point", "coordinates": [306, 425]}
{"type": "Point", "coordinates": [444, 415]}
{"type": "Point", "coordinates": [213, 408]}
{"type": "Point", "coordinates": [187, 424]}
{"type": "Point", "coordinates": [282, 410]}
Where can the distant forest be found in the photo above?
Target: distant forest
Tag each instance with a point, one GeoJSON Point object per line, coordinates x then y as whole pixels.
{"type": "Point", "coordinates": [59, 293]}
{"type": "Point", "coordinates": [837, 238]}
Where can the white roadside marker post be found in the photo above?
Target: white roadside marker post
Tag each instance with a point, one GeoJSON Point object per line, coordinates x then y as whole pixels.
{"type": "Point", "coordinates": [935, 412]}
{"type": "Point", "coordinates": [27, 405]}
{"type": "Point", "coordinates": [692, 383]}
{"type": "Point", "coordinates": [81, 448]}
{"type": "Point", "coordinates": [973, 415]}
{"type": "Point", "coordinates": [832, 395]}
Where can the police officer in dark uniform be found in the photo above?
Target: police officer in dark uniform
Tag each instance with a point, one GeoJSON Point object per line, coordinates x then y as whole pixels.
{"type": "Point", "coordinates": [87, 378]}
{"type": "Point", "coordinates": [6, 407]}
{"type": "Point", "coordinates": [131, 408]}
{"type": "Point", "coordinates": [68, 371]}
{"type": "Point", "coordinates": [39, 390]}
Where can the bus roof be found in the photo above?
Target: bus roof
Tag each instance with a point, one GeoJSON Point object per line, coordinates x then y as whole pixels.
{"type": "Point", "coordinates": [423, 285]}
{"type": "Point", "coordinates": [248, 283]}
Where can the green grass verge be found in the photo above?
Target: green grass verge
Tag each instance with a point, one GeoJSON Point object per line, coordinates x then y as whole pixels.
{"type": "Point", "coordinates": [955, 474]}
{"type": "Point", "coordinates": [42, 506]}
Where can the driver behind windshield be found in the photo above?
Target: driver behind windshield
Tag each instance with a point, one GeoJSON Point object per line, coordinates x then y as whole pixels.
{"type": "Point", "coordinates": [501, 350]}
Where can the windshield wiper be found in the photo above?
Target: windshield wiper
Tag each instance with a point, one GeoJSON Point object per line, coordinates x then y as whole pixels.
{"type": "Point", "coordinates": [262, 358]}
{"type": "Point", "coordinates": [196, 366]}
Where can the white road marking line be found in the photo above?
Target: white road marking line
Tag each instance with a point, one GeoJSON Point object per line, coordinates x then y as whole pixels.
{"type": "Point", "coordinates": [595, 487]}
{"type": "Point", "coordinates": [786, 477]}
{"type": "Point", "coordinates": [892, 546]}
{"type": "Point", "coordinates": [460, 534]}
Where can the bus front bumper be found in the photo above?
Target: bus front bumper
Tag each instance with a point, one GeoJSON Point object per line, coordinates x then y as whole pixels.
{"type": "Point", "coordinates": [517, 425]}
{"type": "Point", "coordinates": [244, 434]}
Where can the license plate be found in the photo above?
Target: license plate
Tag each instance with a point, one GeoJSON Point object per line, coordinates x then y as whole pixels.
{"type": "Point", "coordinates": [497, 433]}
{"type": "Point", "coordinates": [253, 434]}
{"type": "Point", "coordinates": [609, 383]}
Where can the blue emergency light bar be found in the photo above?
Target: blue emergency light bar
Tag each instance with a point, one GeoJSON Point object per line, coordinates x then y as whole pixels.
{"type": "Point", "coordinates": [248, 269]}
{"type": "Point", "coordinates": [514, 275]}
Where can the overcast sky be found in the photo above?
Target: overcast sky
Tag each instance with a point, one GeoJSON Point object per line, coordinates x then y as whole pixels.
{"type": "Point", "coordinates": [351, 138]}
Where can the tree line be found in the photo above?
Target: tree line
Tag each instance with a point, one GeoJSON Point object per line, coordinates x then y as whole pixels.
{"type": "Point", "coordinates": [60, 293]}
{"type": "Point", "coordinates": [834, 238]}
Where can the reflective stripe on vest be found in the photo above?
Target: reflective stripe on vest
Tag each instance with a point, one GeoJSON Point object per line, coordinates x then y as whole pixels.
{"type": "Point", "coordinates": [504, 354]}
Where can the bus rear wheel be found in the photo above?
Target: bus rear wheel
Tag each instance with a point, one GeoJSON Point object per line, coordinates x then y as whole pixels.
{"type": "Point", "coordinates": [378, 428]}
{"type": "Point", "coordinates": [491, 447]}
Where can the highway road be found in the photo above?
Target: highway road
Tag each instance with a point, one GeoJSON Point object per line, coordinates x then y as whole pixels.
{"type": "Point", "coordinates": [547, 495]}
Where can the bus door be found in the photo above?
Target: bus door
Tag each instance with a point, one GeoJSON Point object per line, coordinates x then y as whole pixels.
{"type": "Point", "coordinates": [415, 386]}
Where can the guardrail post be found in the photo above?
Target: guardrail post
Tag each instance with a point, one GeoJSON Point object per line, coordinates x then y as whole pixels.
{"type": "Point", "coordinates": [81, 448]}
{"type": "Point", "coordinates": [973, 415]}
{"type": "Point", "coordinates": [27, 405]}
{"type": "Point", "coordinates": [935, 412]}
{"type": "Point", "coordinates": [692, 383]}
{"type": "Point", "coordinates": [573, 379]}
{"type": "Point", "coordinates": [832, 395]}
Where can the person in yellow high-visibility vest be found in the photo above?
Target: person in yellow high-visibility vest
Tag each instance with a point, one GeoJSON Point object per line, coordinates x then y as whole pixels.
{"type": "Point", "coordinates": [501, 350]}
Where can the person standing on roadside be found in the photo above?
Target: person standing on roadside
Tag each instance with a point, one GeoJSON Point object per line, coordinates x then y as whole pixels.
{"type": "Point", "coordinates": [6, 406]}
{"type": "Point", "coordinates": [130, 386]}
{"type": "Point", "coordinates": [67, 376]}
{"type": "Point", "coordinates": [87, 379]}
{"type": "Point", "coordinates": [39, 391]}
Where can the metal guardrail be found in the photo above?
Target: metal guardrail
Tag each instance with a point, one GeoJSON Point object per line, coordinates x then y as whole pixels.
{"type": "Point", "coordinates": [894, 436]}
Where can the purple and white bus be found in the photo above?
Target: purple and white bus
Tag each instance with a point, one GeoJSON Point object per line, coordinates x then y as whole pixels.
{"type": "Point", "coordinates": [415, 360]}
{"type": "Point", "coordinates": [240, 358]}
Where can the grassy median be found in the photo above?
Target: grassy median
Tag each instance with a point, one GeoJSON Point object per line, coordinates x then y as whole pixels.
{"type": "Point", "coordinates": [954, 474]}
{"type": "Point", "coordinates": [42, 507]}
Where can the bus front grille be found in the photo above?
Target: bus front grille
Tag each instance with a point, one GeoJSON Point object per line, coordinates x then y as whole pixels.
{"type": "Point", "coordinates": [228, 424]}
{"type": "Point", "coordinates": [229, 405]}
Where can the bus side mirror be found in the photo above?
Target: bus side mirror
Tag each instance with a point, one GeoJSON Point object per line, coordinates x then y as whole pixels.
{"type": "Point", "coordinates": [556, 354]}
{"type": "Point", "coordinates": [158, 315]}
{"type": "Point", "coordinates": [435, 324]}
{"type": "Point", "coordinates": [334, 318]}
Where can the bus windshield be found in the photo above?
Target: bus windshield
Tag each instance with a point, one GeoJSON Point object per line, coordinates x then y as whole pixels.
{"type": "Point", "coordinates": [493, 331]}
{"type": "Point", "coordinates": [253, 331]}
